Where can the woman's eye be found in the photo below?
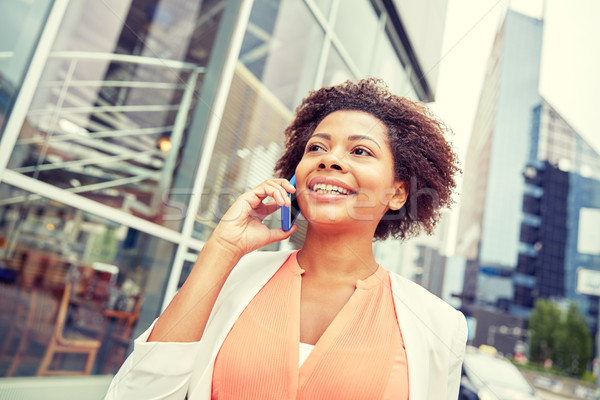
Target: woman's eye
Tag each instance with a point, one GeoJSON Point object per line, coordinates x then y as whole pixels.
{"type": "Point", "coordinates": [314, 147]}
{"type": "Point", "coordinates": [359, 151]}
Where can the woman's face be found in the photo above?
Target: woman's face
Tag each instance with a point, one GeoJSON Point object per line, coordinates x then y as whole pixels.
{"type": "Point", "coordinates": [346, 175]}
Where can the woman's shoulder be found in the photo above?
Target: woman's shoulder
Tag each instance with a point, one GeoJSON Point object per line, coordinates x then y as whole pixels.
{"type": "Point", "coordinates": [264, 258]}
{"type": "Point", "coordinates": [427, 307]}
{"type": "Point", "coordinates": [257, 264]}
{"type": "Point", "coordinates": [417, 292]}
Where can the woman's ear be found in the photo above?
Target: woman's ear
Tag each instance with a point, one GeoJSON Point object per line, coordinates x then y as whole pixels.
{"type": "Point", "coordinates": [399, 197]}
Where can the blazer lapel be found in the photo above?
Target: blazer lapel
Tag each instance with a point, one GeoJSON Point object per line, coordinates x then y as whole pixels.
{"type": "Point", "coordinates": [415, 341]}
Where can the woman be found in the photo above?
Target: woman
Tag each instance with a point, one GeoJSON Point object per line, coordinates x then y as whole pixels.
{"type": "Point", "coordinates": [327, 321]}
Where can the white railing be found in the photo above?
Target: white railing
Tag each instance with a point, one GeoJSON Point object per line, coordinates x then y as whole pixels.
{"type": "Point", "coordinates": [110, 142]}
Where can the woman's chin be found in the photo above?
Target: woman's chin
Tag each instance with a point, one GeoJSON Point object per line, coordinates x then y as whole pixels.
{"type": "Point", "coordinates": [340, 224]}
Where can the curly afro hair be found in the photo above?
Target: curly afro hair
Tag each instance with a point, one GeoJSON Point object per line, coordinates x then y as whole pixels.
{"type": "Point", "coordinates": [423, 159]}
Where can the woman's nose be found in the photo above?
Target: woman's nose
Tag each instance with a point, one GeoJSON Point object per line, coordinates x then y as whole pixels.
{"type": "Point", "coordinates": [332, 161]}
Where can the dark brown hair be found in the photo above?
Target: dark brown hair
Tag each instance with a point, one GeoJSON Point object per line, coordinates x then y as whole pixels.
{"type": "Point", "coordinates": [423, 159]}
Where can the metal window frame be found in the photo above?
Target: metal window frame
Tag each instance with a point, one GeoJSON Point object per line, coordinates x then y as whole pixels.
{"type": "Point", "coordinates": [212, 130]}
{"type": "Point", "coordinates": [24, 98]}
{"type": "Point", "coordinates": [93, 207]}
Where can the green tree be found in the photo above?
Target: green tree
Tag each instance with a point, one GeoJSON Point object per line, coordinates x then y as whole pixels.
{"type": "Point", "coordinates": [542, 322]}
{"type": "Point", "coordinates": [563, 337]}
{"type": "Point", "coordinates": [572, 342]}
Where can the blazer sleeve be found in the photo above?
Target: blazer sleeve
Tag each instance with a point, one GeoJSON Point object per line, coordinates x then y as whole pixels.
{"type": "Point", "coordinates": [154, 370]}
{"type": "Point", "coordinates": [158, 370]}
{"type": "Point", "coordinates": [457, 356]}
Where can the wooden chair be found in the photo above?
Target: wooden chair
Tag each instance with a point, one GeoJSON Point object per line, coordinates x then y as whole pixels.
{"type": "Point", "coordinates": [34, 319]}
{"type": "Point", "coordinates": [59, 344]}
{"type": "Point", "coordinates": [120, 336]}
{"type": "Point", "coordinates": [10, 298]}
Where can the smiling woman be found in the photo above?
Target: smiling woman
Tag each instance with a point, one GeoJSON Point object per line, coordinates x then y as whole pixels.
{"type": "Point", "coordinates": [326, 321]}
{"type": "Point", "coordinates": [422, 158]}
{"type": "Point", "coordinates": [348, 151]}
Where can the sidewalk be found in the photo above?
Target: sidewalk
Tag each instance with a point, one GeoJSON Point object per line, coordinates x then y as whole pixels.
{"type": "Point", "coordinates": [55, 388]}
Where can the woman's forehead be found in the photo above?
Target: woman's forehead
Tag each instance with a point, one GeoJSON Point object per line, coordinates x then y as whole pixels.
{"type": "Point", "coordinates": [351, 123]}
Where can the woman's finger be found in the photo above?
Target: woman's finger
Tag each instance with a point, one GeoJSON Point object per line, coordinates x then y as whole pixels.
{"type": "Point", "coordinates": [271, 188]}
{"type": "Point", "coordinates": [288, 186]}
{"type": "Point", "coordinates": [289, 189]}
{"type": "Point", "coordinates": [278, 186]}
{"type": "Point", "coordinates": [265, 209]}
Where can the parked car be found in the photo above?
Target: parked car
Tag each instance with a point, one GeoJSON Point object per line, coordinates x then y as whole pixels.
{"type": "Point", "coordinates": [486, 377]}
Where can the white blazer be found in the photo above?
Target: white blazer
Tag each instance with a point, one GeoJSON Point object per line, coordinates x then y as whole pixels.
{"type": "Point", "coordinates": [434, 336]}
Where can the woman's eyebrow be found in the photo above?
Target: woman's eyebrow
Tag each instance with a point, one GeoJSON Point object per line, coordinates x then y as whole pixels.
{"type": "Point", "coordinates": [352, 138]}
{"type": "Point", "coordinates": [360, 137]}
{"type": "Point", "coordinates": [325, 136]}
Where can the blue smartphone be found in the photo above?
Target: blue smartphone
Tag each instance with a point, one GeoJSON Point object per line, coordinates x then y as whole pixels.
{"type": "Point", "coordinates": [289, 214]}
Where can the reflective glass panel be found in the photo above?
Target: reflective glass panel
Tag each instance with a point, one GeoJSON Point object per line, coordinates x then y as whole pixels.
{"type": "Point", "coordinates": [21, 22]}
{"type": "Point", "coordinates": [111, 111]}
{"type": "Point", "coordinates": [281, 48]}
{"type": "Point", "coordinates": [336, 70]}
{"type": "Point", "coordinates": [69, 274]}
{"type": "Point", "coordinates": [356, 26]}
{"type": "Point", "coordinates": [387, 66]}
{"type": "Point", "coordinates": [324, 6]}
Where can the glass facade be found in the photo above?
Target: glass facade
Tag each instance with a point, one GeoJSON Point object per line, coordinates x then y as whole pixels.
{"type": "Point", "coordinates": [86, 242]}
{"type": "Point", "coordinates": [518, 95]}
{"type": "Point", "coordinates": [108, 116]}
{"type": "Point", "coordinates": [144, 121]}
{"type": "Point", "coordinates": [560, 231]}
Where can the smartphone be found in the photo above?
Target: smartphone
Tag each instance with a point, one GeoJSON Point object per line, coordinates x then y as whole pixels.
{"type": "Point", "coordinates": [289, 214]}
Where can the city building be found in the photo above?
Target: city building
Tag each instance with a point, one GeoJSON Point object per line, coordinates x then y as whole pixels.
{"type": "Point", "coordinates": [128, 128]}
{"type": "Point", "coordinates": [529, 217]}
{"type": "Point", "coordinates": [490, 217]}
{"type": "Point", "coordinates": [561, 208]}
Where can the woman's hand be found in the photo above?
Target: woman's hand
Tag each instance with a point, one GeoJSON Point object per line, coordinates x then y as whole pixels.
{"type": "Point", "coordinates": [241, 229]}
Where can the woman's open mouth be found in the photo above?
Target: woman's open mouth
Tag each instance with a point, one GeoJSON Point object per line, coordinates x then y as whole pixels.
{"type": "Point", "coordinates": [328, 187]}
{"type": "Point", "coordinates": [323, 188]}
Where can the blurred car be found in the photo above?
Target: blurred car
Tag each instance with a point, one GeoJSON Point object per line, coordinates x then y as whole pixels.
{"type": "Point", "coordinates": [486, 377]}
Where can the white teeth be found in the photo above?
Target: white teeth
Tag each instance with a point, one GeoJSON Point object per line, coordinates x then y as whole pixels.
{"type": "Point", "coordinates": [324, 188]}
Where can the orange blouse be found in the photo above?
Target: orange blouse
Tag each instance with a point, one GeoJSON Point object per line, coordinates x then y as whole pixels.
{"type": "Point", "coordinates": [360, 355]}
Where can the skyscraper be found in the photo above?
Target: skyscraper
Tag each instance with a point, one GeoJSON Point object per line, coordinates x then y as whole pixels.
{"type": "Point", "coordinates": [493, 189]}
{"type": "Point", "coordinates": [561, 214]}
{"type": "Point", "coordinates": [531, 195]}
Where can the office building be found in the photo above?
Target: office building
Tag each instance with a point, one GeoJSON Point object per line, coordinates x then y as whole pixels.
{"type": "Point", "coordinates": [493, 187]}
{"type": "Point", "coordinates": [561, 208]}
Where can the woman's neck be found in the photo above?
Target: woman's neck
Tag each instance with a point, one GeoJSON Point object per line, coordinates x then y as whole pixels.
{"type": "Point", "coordinates": [337, 256]}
